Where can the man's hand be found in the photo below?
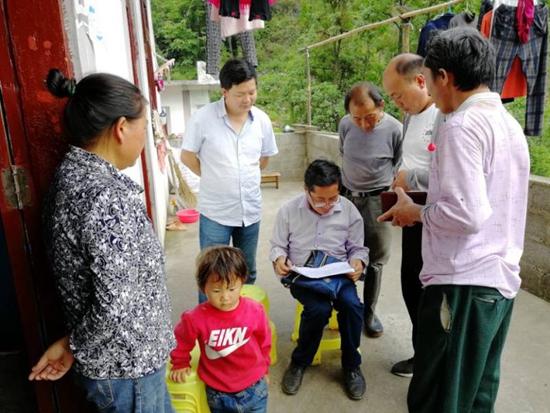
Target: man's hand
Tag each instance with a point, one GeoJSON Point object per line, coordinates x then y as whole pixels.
{"type": "Point", "coordinates": [55, 362]}
{"type": "Point", "coordinates": [282, 266]}
{"type": "Point", "coordinates": [358, 266]}
{"type": "Point", "coordinates": [404, 213]}
{"type": "Point", "coordinates": [180, 375]}
{"type": "Point", "coordinates": [400, 181]}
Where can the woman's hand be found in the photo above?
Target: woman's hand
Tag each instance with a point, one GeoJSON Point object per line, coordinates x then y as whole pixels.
{"type": "Point", "coordinates": [55, 362]}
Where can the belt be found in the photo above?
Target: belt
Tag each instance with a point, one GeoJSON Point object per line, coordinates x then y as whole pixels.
{"type": "Point", "coordinates": [354, 194]}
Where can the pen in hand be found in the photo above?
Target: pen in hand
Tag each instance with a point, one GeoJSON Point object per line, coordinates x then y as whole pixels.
{"type": "Point", "coordinates": [283, 265]}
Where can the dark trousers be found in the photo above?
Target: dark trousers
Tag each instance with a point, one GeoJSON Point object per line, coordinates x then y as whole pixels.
{"type": "Point", "coordinates": [411, 265]}
{"type": "Point", "coordinates": [378, 241]}
{"type": "Point", "coordinates": [315, 316]}
{"type": "Point", "coordinates": [461, 334]}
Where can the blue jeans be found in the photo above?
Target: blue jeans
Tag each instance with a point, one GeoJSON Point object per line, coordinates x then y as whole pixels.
{"type": "Point", "coordinates": [315, 316]}
{"type": "Point", "coordinates": [245, 238]}
{"type": "Point", "coordinates": [147, 394]}
{"type": "Point", "coordinates": [253, 399]}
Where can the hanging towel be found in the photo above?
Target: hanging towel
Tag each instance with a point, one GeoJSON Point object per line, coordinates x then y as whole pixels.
{"type": "Point", "coordinates": [525, 14]}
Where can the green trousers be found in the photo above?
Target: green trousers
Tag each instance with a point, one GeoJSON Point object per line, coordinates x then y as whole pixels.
{"type": "Point", "coordinates": [461, 333]}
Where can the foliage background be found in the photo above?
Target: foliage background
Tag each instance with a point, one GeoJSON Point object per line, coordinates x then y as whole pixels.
{"type": "Point", "coordinates": [180, 33]}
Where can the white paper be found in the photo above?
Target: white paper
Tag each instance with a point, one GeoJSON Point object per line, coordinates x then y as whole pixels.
{"type": "Point", "coordinates": [324, 271]}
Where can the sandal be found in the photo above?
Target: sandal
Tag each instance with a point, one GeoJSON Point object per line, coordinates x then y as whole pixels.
{"type": "Point", "coordinates": [176, 226]}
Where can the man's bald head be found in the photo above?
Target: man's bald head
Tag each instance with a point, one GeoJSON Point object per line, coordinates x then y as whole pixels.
{"type": "Point", "coordinates": [406, 65]}
{"type": "Point", "coordinates": [404, 83]}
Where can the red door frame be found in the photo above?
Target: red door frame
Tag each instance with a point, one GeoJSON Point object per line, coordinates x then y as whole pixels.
{"type": "Point", "coordinates": [32, 40]}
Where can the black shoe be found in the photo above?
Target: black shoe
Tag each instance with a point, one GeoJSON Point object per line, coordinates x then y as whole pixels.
{"type": "Point", "coordinates": [292, 380]}
{"type": "Point", "coordinates": [403, 368]}
{"type": "Point", "coordinates": [373, 326]}
{"type": "Point", "coordinates": [355, 384]}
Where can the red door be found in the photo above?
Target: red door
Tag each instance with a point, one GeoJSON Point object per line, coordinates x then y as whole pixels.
{"type": "Point", "coordinates": [32, 41]}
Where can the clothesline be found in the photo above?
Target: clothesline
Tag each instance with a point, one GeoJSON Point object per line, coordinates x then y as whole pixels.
{"type": "Point", "coordinates": [371, 26]}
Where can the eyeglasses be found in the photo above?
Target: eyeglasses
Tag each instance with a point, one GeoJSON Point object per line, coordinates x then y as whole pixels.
{"type": "Point", "coordinates": [324, 204]}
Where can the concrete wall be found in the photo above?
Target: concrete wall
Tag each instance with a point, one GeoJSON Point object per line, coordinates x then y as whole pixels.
{"type": "Point", "coordinates": [323, 145]}
{"type": "Point", "coordinates": [535, 263]}
{"type": "Point", "coordinates": [291, 160]}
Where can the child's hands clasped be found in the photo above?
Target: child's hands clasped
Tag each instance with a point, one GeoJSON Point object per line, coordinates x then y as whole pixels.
{"type": "Point", "coordinates": [180, 375]}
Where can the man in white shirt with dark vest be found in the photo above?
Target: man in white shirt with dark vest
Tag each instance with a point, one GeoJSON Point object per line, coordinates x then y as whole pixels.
{"type": "Point", "coordinates": [404, 83]}
{"type": "Point", "coordinates": [371, 147]}
{"type": "Point", "coordinates": [474, 228]}
{"type": "Point", "coordinates": [227, 143]}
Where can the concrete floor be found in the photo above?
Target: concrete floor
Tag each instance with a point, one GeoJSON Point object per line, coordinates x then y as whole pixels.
{"type": "Point", "coordinates": [525, 384]}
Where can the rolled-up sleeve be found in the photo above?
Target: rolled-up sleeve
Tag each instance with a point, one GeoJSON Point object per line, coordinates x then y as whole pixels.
{"type": "Point", "coordinates": [280, 236]}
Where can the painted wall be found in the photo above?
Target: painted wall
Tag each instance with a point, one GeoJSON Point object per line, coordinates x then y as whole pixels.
{"type": "Point", "coordinates": [100, 42]}
{"type": "Point", "coordinates": [172, 99]}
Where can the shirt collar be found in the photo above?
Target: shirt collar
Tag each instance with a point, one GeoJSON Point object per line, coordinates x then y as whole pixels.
{"type": "Point", "coordinates": [478, 97]}
{"type": "Point", "coordinates": [89, 160]}
{"type": "Point", "coordinates": [221, 111]}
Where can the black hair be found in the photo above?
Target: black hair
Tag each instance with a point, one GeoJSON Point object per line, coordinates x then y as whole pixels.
{"type": "Point", "coordinates": [235, 72]}
{"type": "Point", "coordinates": [465, 53]}
{"type": "Point", "coordinates": [409, 66]}
{"type": "Point", "coordinates": [95, 103]}
{"type": "Point", "coordinates": [224, 263]}
{"type": "Point", "coordinates": [322, 172]}
{"type": "Point", "coordinates": [360, 93]}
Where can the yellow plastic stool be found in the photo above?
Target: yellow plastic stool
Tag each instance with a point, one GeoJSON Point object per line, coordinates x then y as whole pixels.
{"type": "Point", "coordinates": [331, 338]}
{"type": "Point", "coordinates": [256, 293]}
{"type": "Point", "coordinates": [259, 294]}
{"type": "Point", "coordinates": [273, 353]}
{"type": "Point", "coordinates": [188, 397]}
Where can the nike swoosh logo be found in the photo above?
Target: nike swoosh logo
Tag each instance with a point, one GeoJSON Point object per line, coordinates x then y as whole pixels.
{"type": "Point", "coordinates": [213, 354]}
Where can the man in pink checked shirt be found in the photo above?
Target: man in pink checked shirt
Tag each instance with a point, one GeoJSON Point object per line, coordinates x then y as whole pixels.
{"type": "Point", "coordinates": [474, 225]}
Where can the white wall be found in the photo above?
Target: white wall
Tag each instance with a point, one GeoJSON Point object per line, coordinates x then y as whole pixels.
{"type": "Point", "coordinates": [98, 37]}
{"type": "Point", "coordinates": [172, 98]}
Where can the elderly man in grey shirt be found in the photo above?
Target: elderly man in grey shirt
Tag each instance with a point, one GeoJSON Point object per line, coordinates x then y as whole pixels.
{"type": "Point", "coordinates": [371, 148]}
{"type": "Point", "coordinates": [321, 220]}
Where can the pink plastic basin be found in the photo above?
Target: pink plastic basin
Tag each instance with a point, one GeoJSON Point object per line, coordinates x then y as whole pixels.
{"type": "Point", "coordinates": [188, 215]}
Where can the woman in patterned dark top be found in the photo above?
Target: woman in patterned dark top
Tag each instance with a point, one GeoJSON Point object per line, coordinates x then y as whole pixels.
{"type": "Point", "coordinates": [106, 259]}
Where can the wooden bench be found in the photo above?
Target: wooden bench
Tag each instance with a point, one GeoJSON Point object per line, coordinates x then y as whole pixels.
{"type": "Point", "coordinates": [271, 177]}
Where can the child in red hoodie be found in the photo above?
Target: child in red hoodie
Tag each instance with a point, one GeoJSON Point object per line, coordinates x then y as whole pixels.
{"type": "Point", "coordinates": [233, 334]}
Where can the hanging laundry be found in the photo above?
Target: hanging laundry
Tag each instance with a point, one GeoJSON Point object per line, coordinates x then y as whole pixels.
{"type": "Point", "coordinates": [441, 23]}
{"type": "Point", "coordinates": [486, 6]}
{"type": "Point", "coordinates": [231, 27]}
{"type": "Point", "coordinates": [525, 14]}
{"type": "Point", "coordinates": [464, 19]}
{"type": "Point", "coordinates": [214, 42]}
{"type": "Point", "coordinates": [256, 9]}
{"type": "Point", "coordinates": [533, 56]}
{"type": "Point", "coordinates": [515, 85]}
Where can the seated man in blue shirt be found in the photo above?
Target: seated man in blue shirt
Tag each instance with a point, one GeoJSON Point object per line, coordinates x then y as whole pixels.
{"type": "Point", "coordinates": [319, 219]}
